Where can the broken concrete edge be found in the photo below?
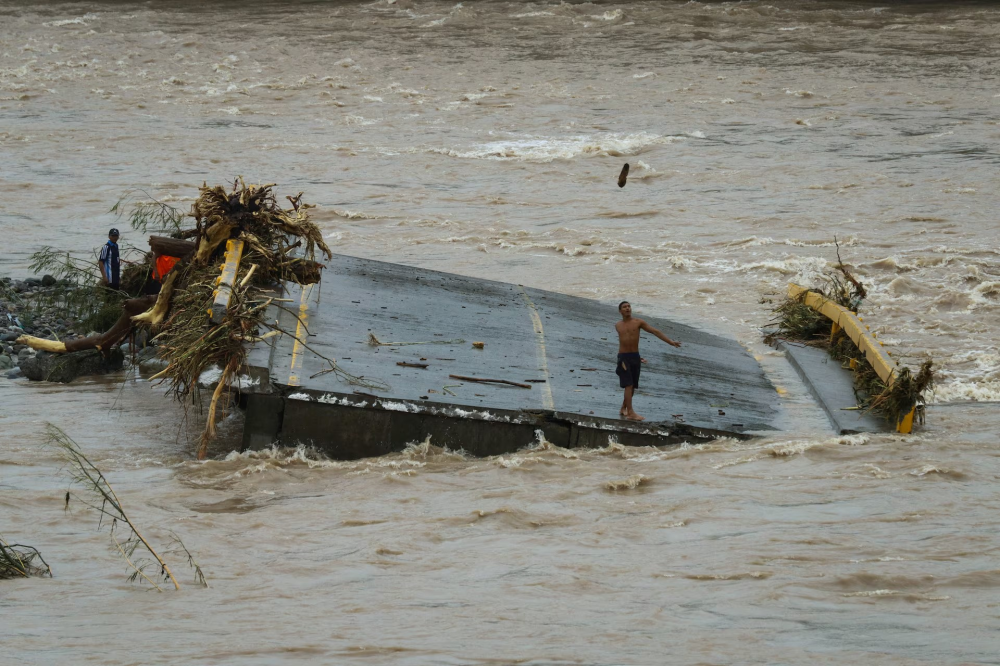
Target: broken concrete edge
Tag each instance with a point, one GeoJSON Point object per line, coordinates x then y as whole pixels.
{"type": "Point", "coordinates": [652, 428]}
{"type": "Point", "coordinates": [831, 385]}
{"type": "Point", "coordinates": [351, 426]}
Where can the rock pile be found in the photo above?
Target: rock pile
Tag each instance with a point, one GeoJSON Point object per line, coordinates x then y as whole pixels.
{"type": "Point", "coordinates": [30, 306]}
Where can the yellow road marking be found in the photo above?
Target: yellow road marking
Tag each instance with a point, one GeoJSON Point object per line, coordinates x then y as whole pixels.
{"type": "Point", "coordinates": [300, 333]}
{"type": "Point", "coordinates": [540, 350]}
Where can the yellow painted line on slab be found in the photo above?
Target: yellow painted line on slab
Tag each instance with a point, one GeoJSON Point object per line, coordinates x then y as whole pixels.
{"type": "Point", "coordinates": [300, 334]}
{"type": "Point", "coordinates": [547, 400]}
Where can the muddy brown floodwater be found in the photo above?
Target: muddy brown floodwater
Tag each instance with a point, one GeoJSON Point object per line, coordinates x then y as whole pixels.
{"type": "Point", "coordinates": [486, 138]}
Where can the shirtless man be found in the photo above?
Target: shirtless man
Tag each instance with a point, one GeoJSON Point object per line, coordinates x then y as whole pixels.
{"type": "Point", "coordinates": [629, 361]}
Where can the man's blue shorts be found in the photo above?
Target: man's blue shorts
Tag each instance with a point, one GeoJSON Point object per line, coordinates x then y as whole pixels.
{"type": "Point", "coordinates": [629, 365]}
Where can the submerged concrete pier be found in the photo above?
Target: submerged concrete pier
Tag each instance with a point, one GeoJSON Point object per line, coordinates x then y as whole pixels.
{"type": "Point", "coordinates": [563, 348]}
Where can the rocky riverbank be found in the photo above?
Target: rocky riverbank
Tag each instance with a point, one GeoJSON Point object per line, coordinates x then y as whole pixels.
{"type": "Point", "coordinates": [31, 306]}
{"type": "Point", "coordinates": [49, 308]}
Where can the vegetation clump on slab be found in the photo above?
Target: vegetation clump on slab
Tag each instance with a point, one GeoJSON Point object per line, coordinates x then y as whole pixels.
{"type": "Point", "coordinates": [279, 243]}
{"type": "Point", "coordinates": [798, 322]}
{"type": "Point", "coordinates": [191, 343]}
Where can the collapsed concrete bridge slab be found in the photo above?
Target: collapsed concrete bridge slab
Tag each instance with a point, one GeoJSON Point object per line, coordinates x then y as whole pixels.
{"type": "Point", "coordinates": [406, 368]}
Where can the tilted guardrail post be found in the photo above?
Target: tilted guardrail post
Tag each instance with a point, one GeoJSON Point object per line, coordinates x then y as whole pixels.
{"type": "Point", "coordinates": [225, 282]}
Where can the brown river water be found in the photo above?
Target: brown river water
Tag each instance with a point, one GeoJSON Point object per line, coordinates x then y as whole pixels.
{"type": "Point", "coordinates": [485, 138]}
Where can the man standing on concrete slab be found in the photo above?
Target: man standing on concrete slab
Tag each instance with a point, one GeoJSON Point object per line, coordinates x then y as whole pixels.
{"type": "Point", "coordinates": [629, 361]}
{"type": "Point", "coordinates": [109, 262]}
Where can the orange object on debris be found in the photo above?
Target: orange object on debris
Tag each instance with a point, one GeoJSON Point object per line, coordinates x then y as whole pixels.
{"type": "Point", "coordinates": [163, 266]}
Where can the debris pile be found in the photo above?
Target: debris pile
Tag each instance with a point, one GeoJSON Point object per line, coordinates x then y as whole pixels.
{"type": "Point", "coordinates": [200, 318]}
{"type": "Point", "coordinates": [19, 561]}
{"type": "Point", "coordinates": [894, 397]}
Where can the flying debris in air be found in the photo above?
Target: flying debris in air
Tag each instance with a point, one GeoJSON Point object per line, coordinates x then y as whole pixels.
{"type": "Point", "coordinates": [623, 175]}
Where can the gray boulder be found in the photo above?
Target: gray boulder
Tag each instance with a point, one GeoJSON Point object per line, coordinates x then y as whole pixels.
{"type": "Point", "coordinates": [67, 367]}
{"type": "Point", "coordinates": [5, 362]}
{"type": "Point", "coordinates": [16, 373]}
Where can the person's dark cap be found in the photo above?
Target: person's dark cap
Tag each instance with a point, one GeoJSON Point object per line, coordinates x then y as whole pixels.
{"type": "Point", "coordinates": [113, 232]}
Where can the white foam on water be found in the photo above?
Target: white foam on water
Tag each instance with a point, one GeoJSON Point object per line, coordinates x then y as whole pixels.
{"type": "Point", "coordinates": [628, 483]}
{"type": "Point", "coordinates": [988, 391]}
{"type": "Point", "coordinates": [929, 469]}
{"type": "Point", "coordinates": [392, 406]}
{"type": "Point", "coordinates": [788, 266]}
{"type": "Point", "coordinates": [80, 20]}
{"type": "Point", "coordinates": [356, 214]}
{"type": "Point", "coordinates": [545, 149]}
{"type": "Point", "coordinates": [610, 15]}
{"type": "Point", "coordinates": [359, 120]}
{"type": "Point", "coordinates": [985, 293]}
{"type": "Point", "coordinates": [872, 593]}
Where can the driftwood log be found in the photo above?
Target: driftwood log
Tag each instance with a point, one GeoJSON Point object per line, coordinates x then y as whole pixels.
{"type": "Point", "coordinates": [172, 247]}
{"type": "Point", "coordinates": [102, 341]}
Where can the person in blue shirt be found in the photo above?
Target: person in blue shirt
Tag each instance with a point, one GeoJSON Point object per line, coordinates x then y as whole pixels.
{"type": "Point", "coordinates": [109, 262]}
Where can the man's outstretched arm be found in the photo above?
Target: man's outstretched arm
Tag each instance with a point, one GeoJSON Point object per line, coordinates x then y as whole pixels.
{"type": "Point", "coordinates": [649, 329]}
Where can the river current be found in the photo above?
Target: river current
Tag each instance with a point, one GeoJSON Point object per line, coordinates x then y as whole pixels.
{"type": "Point", "coordinates": [485, 138]}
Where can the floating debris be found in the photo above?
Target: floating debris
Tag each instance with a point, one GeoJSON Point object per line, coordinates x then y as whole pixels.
{"type": "Point", "coordinates": [894, 395]}
{"type": "Point", "coordinates": [20, 561]}
{"type": "Point", "coordinates": [623, 176]}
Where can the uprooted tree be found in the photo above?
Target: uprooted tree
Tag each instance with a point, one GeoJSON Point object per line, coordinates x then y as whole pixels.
{"type": "Point", "coordinates": [279, 244]}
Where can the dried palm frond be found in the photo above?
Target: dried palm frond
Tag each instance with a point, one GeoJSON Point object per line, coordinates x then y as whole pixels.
{"type": "Point", "coordinates": [797, 321]}
{"type": "Point", "coordinates": [101, 497]}
{"type": "Point", "coordinates": [146, 213]}
{"type": "Point", "coordinates": [179, 547]}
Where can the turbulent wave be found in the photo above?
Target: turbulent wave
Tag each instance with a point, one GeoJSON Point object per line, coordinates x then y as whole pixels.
{"type": "Point", "coordinates": [628, 483]}
{"type": "Point", "coordinates": [547, 149]}
{"type": "Point", "coordinates": [978, 391]}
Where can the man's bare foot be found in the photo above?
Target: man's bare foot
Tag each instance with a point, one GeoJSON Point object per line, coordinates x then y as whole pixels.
{"type": "Point", "coordinates": [622, 412]}
{"type": "Point", "coordinates": [632, 416]}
